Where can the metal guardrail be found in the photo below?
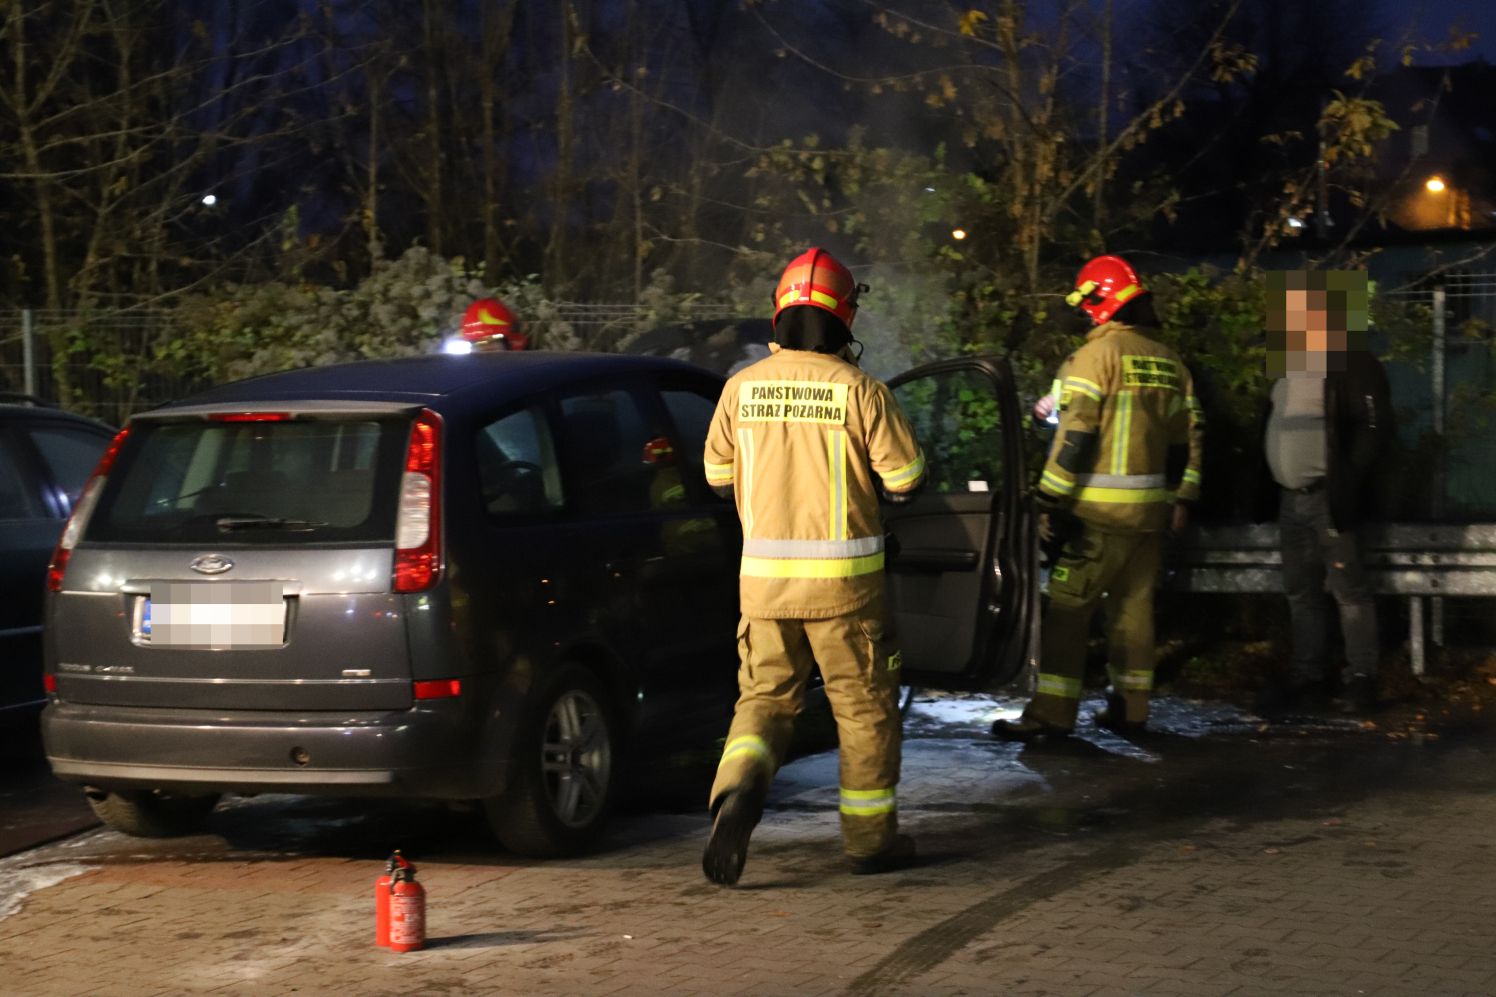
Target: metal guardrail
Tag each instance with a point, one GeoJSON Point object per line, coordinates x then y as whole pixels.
{"type": "Point", "coordinates": [1425, 563]}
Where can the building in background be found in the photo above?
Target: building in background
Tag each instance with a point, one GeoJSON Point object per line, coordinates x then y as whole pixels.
{"type": "Point", "coordinates": [1439, 168]}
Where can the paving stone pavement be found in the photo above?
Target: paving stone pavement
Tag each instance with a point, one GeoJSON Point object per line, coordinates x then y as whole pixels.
{"type": "Point", "coordinates": [1328, 863]}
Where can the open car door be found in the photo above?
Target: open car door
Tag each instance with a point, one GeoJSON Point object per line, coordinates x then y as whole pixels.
{"type": "Point", "coordinates": [964, 583]}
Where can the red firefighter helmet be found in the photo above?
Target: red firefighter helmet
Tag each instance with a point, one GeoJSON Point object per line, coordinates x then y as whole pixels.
{"type": "Point", "coordinates": [1103, 286]}
{"type": "Point", "coordinates": [489, 322]}
{"type": "Point", "coordinates": [817, 278]}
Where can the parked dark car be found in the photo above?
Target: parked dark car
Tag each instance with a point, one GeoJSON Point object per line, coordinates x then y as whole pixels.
{"type": "Point", "coordinates": [463, 578]}
{"type": "Point", "coordinates": [46, 455]}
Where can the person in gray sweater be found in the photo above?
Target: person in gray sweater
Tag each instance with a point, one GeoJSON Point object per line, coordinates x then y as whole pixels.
{"type": "Point", "coordinates": [1327, 436]}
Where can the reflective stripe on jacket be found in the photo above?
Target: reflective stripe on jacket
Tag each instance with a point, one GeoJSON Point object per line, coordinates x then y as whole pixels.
{"type": "Point", "coordinates": [805, 439]}
{"type": "Point", "coordinates": [1128, 444]}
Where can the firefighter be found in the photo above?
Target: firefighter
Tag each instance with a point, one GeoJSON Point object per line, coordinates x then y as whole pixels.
{"type": "Point", "coordinates": [804, 441]}
{"type": "Point", "coordinates": [490, 326]}
{"type": "Point", "coordinates": [1124, 468]}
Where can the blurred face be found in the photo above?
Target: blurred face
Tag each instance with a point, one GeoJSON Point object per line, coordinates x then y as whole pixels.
{"type": "Point", "coordinates": [1306, 321]}
{"type": "Point", "coordinates": [1310, 327]}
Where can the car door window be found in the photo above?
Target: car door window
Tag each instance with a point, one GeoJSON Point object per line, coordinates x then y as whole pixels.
{"type": "Point", "coordinates": [958, 420]}
{"type": "Point", "coordinates": [617, 459]}
{"type": "Point", "coordinates": [517, 468]}
{"type": "Point", "coordinates": [70, 456]}
{"type": "Point", "coordinates": [691, 412]}
{"type": "Point", "coordinates": [17, 500]}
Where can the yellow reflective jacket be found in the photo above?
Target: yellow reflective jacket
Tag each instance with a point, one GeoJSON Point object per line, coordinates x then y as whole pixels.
{"type": "Point", "coordinates": [1129, 439]}
{"type": "Point", "coordinates": [799, 436]}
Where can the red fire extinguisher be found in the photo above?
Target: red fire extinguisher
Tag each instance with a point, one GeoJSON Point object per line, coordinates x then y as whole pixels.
{"type": "Point", "coordinates": [407, 910]}
{"type": "Point", "coordinates": [382, 900]}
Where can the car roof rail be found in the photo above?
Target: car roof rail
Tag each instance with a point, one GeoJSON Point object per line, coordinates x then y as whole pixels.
{"type": "Point", "coordinates": [21, 398]}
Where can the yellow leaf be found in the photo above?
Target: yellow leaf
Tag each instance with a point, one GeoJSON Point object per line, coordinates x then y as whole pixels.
{"type": "Point", "coordinates": [1361, 67]}
{"type": "Point", "coordinates": [970, 21]}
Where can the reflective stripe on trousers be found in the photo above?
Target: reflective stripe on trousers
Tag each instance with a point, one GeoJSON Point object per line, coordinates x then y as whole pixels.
{"type": "Point", "coordinates": [868, 802]}
{"type": "Point", "coordinates": [749, 745]}
{"type": "Point", "coordinates": [1058, 685]}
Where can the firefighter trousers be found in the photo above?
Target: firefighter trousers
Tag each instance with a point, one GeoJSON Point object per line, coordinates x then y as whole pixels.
{"type": "Point", "coordinates": [1116, 572]}
{"type": "Point", "coordinates": [860, 667]}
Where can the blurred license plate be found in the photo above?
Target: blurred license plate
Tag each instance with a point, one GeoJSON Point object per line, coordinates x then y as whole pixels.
{"type": "Point", "coordinates": [220, 615]}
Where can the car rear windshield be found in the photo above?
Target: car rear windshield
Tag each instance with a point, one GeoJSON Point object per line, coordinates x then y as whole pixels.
{"type": "Point", "coordinates": [206, 482]}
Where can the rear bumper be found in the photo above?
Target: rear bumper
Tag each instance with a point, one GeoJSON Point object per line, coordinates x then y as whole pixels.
{"type": "Point", "coordinates": [431, 751]}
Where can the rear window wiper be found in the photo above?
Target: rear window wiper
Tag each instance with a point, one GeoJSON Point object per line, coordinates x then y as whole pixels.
{"type": "Point", "coordinates": [227, 523]}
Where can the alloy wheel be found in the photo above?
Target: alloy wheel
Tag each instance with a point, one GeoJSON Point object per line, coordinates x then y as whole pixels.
{"type": "Point", "coordinates": [576, 758]}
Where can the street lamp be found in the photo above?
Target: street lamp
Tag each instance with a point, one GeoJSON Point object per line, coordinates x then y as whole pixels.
{"type": "Point", "coordinates": [958, 234]}
{"type": "Point", "coordinates": [210, 199]}
{"type": "Point", "coordinates": [1434, 185]}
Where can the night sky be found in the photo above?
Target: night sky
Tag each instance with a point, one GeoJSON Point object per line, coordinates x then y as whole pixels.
{"type": "Point", "coordinates": [1434, 17]}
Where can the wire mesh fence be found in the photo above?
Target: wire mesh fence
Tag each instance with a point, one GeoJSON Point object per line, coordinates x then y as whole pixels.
{"type": "Point", "coordinates": [103, 364]}
{"type": "Point", "coordinates": [1448, 397]}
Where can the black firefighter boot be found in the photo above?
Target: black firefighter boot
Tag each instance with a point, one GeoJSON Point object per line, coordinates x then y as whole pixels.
{"type": "Point", "coordinates": [1027, 730]}
{"type": "Point", "coordinates": [1113, 716]}
{"type": "Point", "coordinates": [738, 813]}
{"type": "Point", "coordinates": [899, 854]}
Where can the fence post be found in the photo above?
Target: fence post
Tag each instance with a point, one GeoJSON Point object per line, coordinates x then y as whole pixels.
{"type": "Point", "coordinates": [28, 352]}
{"type": "Point", "coordinates": [1437, 388]}
{"type": "Point", "coordinates": [1436, 604]}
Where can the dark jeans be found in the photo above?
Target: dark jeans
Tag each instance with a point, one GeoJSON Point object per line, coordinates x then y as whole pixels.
{"type": "Point", "coordinates": [1317, 558]}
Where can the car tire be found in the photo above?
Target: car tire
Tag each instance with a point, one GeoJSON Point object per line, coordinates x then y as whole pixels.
{"type": "Point", "coordinates": [147, 814]}
{"type": "Point", "coordinates": [565, 769]}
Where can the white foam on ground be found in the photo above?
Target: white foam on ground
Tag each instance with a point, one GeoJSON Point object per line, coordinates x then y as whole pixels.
{"type": "Point", "coordinates": [937, 775]}
{"type": "Point", "coordinates": [976, 711]}
{"type": "Point", "coordinates": [23, 881]}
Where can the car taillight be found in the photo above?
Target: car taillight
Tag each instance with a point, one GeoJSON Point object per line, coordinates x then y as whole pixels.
{"type": "Point", "coordinates": [418, 552]}
{"type": "Point", "coordinates": [436, 689]}
{"type": "Point", "coordinates": [79, 519]}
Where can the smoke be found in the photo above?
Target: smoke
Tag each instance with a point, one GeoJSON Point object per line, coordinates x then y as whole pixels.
{"type": "Point", "coordinates": [899, 318]}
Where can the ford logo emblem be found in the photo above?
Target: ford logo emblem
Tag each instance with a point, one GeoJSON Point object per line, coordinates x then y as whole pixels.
{"type": "Point", "coordinates": [211, 564]}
